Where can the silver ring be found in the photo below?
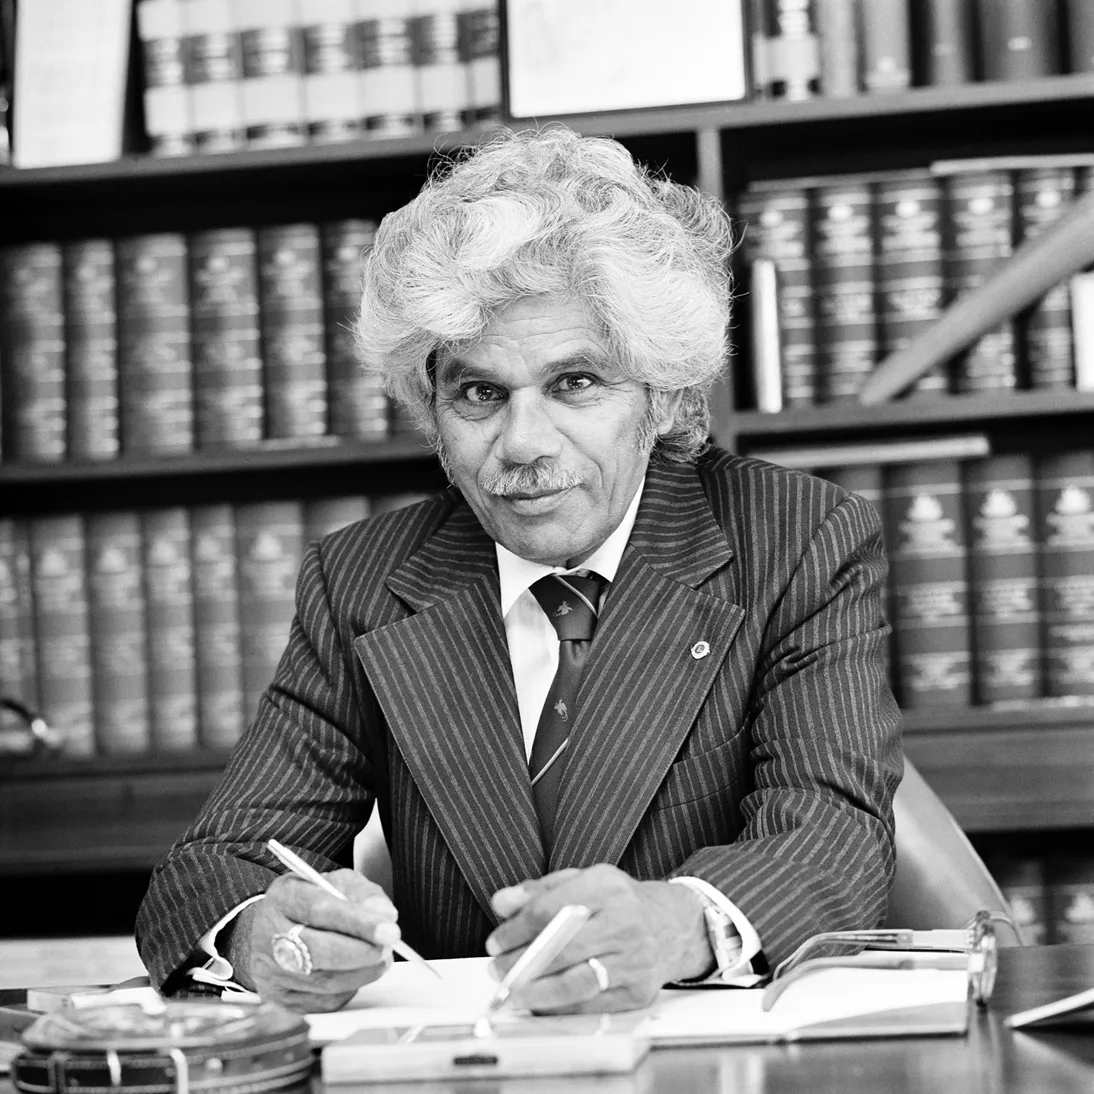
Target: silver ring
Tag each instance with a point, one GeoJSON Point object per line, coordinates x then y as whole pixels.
{"type": "Point", "coordinates": [603, 980]}
{"type": "Point", "coordinates": [291, 952]}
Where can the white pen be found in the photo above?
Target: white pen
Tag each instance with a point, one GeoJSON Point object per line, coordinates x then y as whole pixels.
{"type": "Point", "coordinates": [299, 867]}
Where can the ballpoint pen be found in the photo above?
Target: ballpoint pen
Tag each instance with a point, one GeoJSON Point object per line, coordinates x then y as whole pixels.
{"type": "Point", "coordinates": [299, 867]}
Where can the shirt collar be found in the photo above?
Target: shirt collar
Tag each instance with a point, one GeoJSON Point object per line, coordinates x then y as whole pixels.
{"type": "Point", "coordinates": [518, 574]}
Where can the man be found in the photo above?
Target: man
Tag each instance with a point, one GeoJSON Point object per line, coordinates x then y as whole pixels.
{"type": "Point", "coordinates": [612, 665]}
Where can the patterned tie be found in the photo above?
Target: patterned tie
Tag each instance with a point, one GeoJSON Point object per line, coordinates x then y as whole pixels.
{"type": "Point", "coordinates": [572, 603]}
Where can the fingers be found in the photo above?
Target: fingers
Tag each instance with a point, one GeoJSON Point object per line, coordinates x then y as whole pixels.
{"type": "Point", "coordinates": [507, 902]}
{"type": "Point", "coordinates": [368, 914]}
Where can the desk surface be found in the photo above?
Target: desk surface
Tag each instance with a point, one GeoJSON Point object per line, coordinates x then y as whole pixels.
{"type": "Point", "coordinates": [990, 1060]}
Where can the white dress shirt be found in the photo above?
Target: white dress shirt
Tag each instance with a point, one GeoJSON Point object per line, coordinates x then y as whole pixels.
{"type": "Point", "coordinates": [533, 651]}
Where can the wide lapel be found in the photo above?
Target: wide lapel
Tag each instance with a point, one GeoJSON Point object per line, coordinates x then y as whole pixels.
{"type": "Point", "coordinates": [660, 643]}
{"type": "Point", "coordinates": [443, 679]}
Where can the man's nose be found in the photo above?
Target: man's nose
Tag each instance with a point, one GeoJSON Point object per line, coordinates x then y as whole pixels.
{"type": "Point", "coordinates": [528, 432]}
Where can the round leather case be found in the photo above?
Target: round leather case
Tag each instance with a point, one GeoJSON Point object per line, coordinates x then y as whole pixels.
{"type": "Point", "coordinates": [189, 1046]}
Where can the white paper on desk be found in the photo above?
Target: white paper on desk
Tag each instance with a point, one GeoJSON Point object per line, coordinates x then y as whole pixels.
{"type": "Point", "coordinates": [408, 996]}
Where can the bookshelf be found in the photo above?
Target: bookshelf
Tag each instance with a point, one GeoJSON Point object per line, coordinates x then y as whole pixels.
{"type": "Point", "coordinates": [999, 770]}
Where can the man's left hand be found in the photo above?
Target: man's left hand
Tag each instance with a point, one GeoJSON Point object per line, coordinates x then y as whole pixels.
{"type": "Point", "coordinates": [644, 934]}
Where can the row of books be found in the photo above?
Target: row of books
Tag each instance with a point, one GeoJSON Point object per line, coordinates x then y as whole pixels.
{"type": "Point", "coordinates": [1051, 898]}
{"type": "Point", "coordinates": [158, 629]}
{"type": "Point", "coordinates": [839, 48]}
{"type": "Point", "coordinates": [846, 270]}
{"type": "Point", "coordinates": [991, 575]}
{"type": "Point", "coordinates": [163, 343]}
{"type": "Point", "coordinates": [226, 74]}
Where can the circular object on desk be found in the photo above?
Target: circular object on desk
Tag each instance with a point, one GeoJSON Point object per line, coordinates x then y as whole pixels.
{"type": "Point", "coordinates": [291, 952]}
{"type": "Point", "coordinates": [186, 1047]}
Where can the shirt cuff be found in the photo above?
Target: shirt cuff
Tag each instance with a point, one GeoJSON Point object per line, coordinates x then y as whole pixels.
{"type": "Point", "coordinates": [218, 969]}
{"type": "Point", "coordinates": [741, 974]}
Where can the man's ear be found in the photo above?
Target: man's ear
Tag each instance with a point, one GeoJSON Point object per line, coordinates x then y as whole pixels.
{"type": "Point", "coordinates": [664, 407]}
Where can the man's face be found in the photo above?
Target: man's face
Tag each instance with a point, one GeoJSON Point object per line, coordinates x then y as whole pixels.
{"type": "Point", "coordinates": [542, 433]}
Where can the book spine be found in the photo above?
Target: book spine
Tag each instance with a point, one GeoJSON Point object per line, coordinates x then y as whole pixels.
{"type": "Point", "coordinates": [1018, 39]}
{"type": "Point", "coordinates": [778, 227]}
{"type": "Point", "coordinates": [32, 352]}
{"type": "Point", "coordinates": [844, 276]}
{"type": "Point", "coordinates": [1081, 288]}
{"type": "Point", "coordinates": [1041, 196]}
{"type": "Point", "coordinates": [1065, 509]}
{"type": "Point", "coordinates": [91, 350]}
{"type": "Point", "coordinates": [172, 682]}
{"type": "Point", "coordinates": [167, 120]}
{"type": "Point", "coordinates": [793, 53]}
{"type": "Point", "coordinates": [925, 536]}
{"type": "Point", "coordinates": [946, 43]}
{"type": "Point", "coordinates": [272, 87]}
{"type": "Point", "coordinates": [389, 81]}
{"type": "Point", "coordinates": [154, 371]}
{"type": "Point", "coordinates": [116, 614]}
{"type": "Point", "coordinates": [480, 35]}
{"type": "Point", "coordinates": [1080, 35]}
{"type": "Point", "coordinates": [358, 405]}
{"type": "Point", "coordinates": [325, 515]}
{"type": "Point", "coordinates": [291, 320]}
{"type": "Point", "coordinates": [18, 668]}
{"type": "Point", "coordinates": [979, 219]}
{"type": "Point", "coordinates": [443, 91]}
{"type": "Point", "coordinates": [839, 44]}
{"type": "Point", "coordinates": [269, 538]}
{"type": "Point", "coordinates": [63, 645]}
{"type": "Point", "coordinates": [214, 74]}
{"type": "Point", "coordinates": [1003, 578]}
{"type": "Point", "coordinates": [764, 342]}
{"type": "Point", "coordinates": [1022, 879]}
{"type": "Point", "coordinates": [910, 275]}
{"type": "Point", "coordinates": [218, 657]}
{"type": "Point", "coordinates": [332, 111]}
{"type": "Point", "coordinates": [228, 394]}
{"type": "Point", "coordinates": [886, 46]}
{"type": "Point", "coordinates": [1070, 883]}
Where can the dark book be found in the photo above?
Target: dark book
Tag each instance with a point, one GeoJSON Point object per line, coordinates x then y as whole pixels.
{"type": "Point", "coordinates": [389, 78]}
{"type": "Point", "coordinates": [886, 46]}
{"type": "Point", "coordinates": [167, 120]}
{"type": "Point", "coordinates": [1070, 883]}
{"type": "Point", "coordinates": [479, 46]}
{"type": "Point", "coordinates": [18, 667]}
{"type": "Point", "coordinates": [358, 404]}
{"type": "Point", "coordinates": [1042, 194]}
{"type": "Point", "coordinates": [91, 350]}
{"type": "Point", "coordinates": [1079, 22]}
{"type": "Point", "coordinates": [775, 224]}
{"type": "Point", "coordinates": [155, 381]}
{"type": "Point", "coordinates": [291, 320]}
{"type": "Point", "coordinates": [325, 515]}
{"type": "Point", "coordinates": [925, 540]}
{"type": "Point", "coordinates": [910, 269]}
{"type": "Point", "coordinates": [1003, 578]}
{"type": "Point", "coordinates": [172, 674]}
{"type": "Point", "coordinates": [32, 352]}
{"type": "Point", "coordinates": [844, 278]}
{"type": "Point", "coordinates": [979, 214]}
{"type": "Point", "coordinates": [214, 75]}
{"type": "Point", "coordinates": [1065, 511]}
{"type": "Point", "coordinates": [272, 87]}
{"type": "Point", "coordinates": [228, 394]}
{"type": "Point", "coordinates": [1019, 39]}
{"type": "Point", "coordinates": [840, 46]}
{"type": "Point", "coordinates": [332, 105]}
{"type": "Point", "coordinates": [119, 639]}
{"type": "Point", "coordinates": [218, 657]}
{"type": "Point", "coordinates": [944, 41]}
{"type": "Point", "coordinates": [443, 88]}
{"type": "Point", "coordinates": [269, 545]}
{"type": "Point", "coordinates": [1022, 879]}
{"type": "Point", "coordinates": [62, 637]}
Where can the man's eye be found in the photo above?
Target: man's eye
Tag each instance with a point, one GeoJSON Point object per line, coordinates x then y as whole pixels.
{"type": "Point", "coordinates": [480, 393]}
{"type": "Point", "coordinates": [569, 385]}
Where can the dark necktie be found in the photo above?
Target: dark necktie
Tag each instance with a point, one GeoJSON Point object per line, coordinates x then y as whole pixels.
{"type": "Point", "coordinates": [571, 603]}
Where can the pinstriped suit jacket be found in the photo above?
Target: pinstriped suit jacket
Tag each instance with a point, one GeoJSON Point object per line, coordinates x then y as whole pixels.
{"type": "Point", "coordinates": [766, 767]}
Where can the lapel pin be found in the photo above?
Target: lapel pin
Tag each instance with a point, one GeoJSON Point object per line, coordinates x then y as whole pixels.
{"type": "Point", "coordinates": [700, 650]}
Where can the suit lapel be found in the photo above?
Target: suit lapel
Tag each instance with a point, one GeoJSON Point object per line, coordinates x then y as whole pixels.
{"type": "Point", "coordinates": [646, 678]}
{"type": "Point", "coordinates": [443, 678]}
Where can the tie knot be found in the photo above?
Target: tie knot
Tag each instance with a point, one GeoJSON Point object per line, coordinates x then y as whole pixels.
{"type": "Point", "coordinates": [571, 603]}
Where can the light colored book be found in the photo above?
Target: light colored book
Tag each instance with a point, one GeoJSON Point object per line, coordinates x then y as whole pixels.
{"type": "Point", "coordinates": [1082, 329]}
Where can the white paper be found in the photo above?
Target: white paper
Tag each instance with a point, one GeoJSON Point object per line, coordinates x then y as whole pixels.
{"type": "Point", "coordinates": [574, 56]}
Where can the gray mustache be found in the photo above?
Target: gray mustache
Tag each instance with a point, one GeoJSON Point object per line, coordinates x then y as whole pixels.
{"type": "Point", "coordinates": [531, 478]}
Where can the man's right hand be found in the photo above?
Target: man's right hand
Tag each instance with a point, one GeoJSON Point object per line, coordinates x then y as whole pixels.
{"type": "Point", "coordinates": [349, 941]}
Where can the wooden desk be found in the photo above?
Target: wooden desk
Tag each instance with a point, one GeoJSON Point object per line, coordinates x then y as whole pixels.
{"type": "Point", "coordinates": [991, 1060]}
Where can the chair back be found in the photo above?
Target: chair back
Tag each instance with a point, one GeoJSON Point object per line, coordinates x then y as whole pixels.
{"type": "Point", "coordinates": [940, 881]}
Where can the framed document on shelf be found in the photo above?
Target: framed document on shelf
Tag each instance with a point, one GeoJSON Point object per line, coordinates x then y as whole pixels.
{"type": "Point", "coordinates": [583, 56]}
